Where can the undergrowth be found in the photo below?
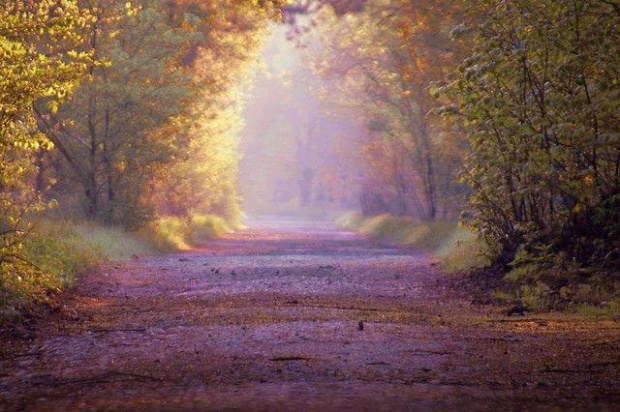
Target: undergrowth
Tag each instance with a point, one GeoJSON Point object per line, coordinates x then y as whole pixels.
{"type": "Point", "coordinates": [565, 285]}
{"type": "Point", "coordinates": [527, 284]}
{"type": "Point", "coordinates": [57, 251]}
{"type": "Point", "coordinates": [456, 247]}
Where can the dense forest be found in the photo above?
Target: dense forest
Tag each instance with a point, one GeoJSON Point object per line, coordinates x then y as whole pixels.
{"type": "Point", "coordinates": [503, 115]}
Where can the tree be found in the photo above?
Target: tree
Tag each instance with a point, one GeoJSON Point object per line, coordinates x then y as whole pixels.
{"type": "Point", "coordinates": [116, 130]}
{"type": "Point", "coordinates": [39, 60]}
{"type": "Point", "coordinates": [205, 169]}
{"type": "Point", "coordinates": [538, 99]}
{"type": "Point", "coordinates": [387, 56]}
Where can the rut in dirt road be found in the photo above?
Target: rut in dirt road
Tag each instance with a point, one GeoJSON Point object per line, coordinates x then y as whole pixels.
{"type": "Point", "coordinates": [289, 315]}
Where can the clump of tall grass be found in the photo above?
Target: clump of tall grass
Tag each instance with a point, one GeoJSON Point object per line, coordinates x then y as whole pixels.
{"type": "Point", "coordinates": [171, 233]}
{"type": "Point", "coordinates": [167, 234]}
{"type": "Point", "coordinates": [111, 242]}
{"type": "Point", "coordinates": [57, 251]}
{"type": "Point", "coordinates": [455, 246]}
{"type": "Point", "coordinates": [203, 227]}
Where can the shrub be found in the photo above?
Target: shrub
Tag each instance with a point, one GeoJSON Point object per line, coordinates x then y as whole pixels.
{"type": "Point", "coordinates": [51, 258]}
{"type": "Point", "coordinates": [202, 227]}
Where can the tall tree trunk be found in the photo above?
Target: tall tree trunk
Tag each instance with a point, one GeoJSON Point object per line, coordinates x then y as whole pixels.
{"type": "Point", "coordinates": [92, 190]}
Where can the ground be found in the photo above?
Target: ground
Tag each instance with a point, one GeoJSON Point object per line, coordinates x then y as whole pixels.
{"type": "Point", "coordinates": [292, 316]}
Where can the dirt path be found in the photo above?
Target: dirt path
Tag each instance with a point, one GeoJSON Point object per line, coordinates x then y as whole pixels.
{"type": "Point", "coordinates": [269, 319]}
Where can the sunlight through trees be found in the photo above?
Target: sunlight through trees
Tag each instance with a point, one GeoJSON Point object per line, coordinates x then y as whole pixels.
{"type": "Point", "coordinates": [153, 115]}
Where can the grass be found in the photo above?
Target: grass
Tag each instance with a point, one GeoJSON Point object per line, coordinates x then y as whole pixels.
{"type": "Point", "coordinates": [611, 310]}
{"type": "Point", "coordinates": [456, 247]}
{"type": "Point", "coordinates": [51, 258]}
{"type": "Point", "coordinates": [170, 234]}
{"type": "Point", "coordinates": [110, 242]}
{"type": "Point", "coordinates": [58, 251]}
{"type": "Point", "coordinates": [202, 227]}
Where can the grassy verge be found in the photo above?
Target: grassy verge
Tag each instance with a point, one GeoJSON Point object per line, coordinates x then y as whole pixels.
{"type": "Point", "coordinates": [528, 287]}
{"type": "Point", "coordinates": [172, 234]}
{"type": "Point", "coordinates": [454, 246]}
{"type": "Point", "coordinates": [58, 251]}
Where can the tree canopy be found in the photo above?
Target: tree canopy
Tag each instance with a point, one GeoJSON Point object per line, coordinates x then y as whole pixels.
{"type": "Point", "coordinates": [504, 113]}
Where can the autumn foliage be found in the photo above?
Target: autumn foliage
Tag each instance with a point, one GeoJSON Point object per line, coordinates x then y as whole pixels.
{"type": "Point", "coordinates": [504, 114]}
{"type": "Point", "coordinates": [120, 113]}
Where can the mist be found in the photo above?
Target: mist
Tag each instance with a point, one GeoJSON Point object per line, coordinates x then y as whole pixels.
{"type": "Point", "coordinates": [299, 146]}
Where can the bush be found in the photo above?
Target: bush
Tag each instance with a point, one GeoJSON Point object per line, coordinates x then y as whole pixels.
{"type": "Point", "coordinates": [545, 185]}
{"type": "Point", "coordinates": [51, 258]}
{"type": "Point", "coordinates": [203, 227]}
{"type": "Point", "coordinates": [555, 283]}
{"type": "Point", "coordinates": [168, 234]}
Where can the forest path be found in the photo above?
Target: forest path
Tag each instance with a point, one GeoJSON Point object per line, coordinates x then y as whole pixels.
{"type": "Point", "coordinates": [269, 319]}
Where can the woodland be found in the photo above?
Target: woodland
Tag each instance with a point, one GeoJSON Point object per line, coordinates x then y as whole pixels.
{"type": "Point", "coordinates": [122, 130]}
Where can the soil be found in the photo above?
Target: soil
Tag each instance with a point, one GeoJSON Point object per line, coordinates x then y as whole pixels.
{"type": "Point", "coordinates": [301, 316]}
